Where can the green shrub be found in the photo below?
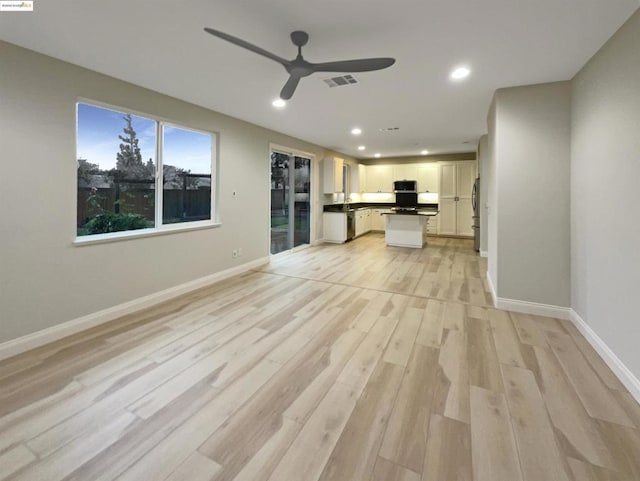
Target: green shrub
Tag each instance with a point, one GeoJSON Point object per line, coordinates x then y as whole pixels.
{"type": "Point", "coordinates": [111, 222]}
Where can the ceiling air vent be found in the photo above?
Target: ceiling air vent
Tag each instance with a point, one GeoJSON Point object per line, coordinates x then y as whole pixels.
{"type": "Point", "coordinates": [340, 81]}
{"type": "Point", "coordinates": [389, 129]}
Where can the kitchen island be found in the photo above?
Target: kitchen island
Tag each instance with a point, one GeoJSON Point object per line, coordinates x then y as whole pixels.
{"type": "Point", "coordinates": [407, 228]}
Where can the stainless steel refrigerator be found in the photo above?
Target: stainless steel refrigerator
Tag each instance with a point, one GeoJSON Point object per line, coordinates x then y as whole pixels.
{"type": "Point", "coordinates": [475, 202]}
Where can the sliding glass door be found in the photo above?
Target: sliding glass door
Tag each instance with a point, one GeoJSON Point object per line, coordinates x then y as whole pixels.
{"type": "Point", "coordinates": [290, 201]}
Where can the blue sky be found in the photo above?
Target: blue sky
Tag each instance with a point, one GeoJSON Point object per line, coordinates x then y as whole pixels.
{"type": "Point", "coordinates": [98, 141]}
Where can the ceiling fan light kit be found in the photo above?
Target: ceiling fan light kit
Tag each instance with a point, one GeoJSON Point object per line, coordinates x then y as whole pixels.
{"type": "Point", "coordinates": [299, 67]}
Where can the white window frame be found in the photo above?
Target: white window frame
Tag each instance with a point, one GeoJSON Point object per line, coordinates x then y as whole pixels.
{"type": "Point", "coordinates": [159, 228]}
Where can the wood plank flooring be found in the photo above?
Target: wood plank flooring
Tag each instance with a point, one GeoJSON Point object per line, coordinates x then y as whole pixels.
{"type": "Point", "coordinates": [355, 362]}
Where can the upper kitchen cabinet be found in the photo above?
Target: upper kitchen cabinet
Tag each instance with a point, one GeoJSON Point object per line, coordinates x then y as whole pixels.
{"type": "Point", "coordinates": [333, 175]}
{"type": "Point", "coordinates": [456, 184]}
{"type": "Point", "coordinates": [358, 179]}
{"type": "Point", "coordinates": [379, 178]}
{"type": "Point", "coordinates": [429, 177]}
{"type": "Point", "coordinates": [405, 172]}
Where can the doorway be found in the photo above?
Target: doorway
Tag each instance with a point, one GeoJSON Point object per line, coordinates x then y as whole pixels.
{"type": "Point", "coordinates": [290, 200]}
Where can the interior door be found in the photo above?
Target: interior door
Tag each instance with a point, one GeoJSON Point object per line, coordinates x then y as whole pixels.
{"type": "Point", "coordinates": [290, 201]}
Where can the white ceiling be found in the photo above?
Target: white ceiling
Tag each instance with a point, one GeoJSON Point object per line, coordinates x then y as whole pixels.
{"type": "Point", "coordinates": [160, 44]}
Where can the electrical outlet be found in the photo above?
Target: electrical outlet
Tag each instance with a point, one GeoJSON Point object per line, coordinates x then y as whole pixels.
{"type": "Point", "coordinates": [239, 251]}
{"type": "Point", "coordinates": [234, 253]}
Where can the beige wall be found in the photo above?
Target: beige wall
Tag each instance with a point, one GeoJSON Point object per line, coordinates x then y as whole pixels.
{"type": "Point", "coordinates": [46, 280]}
{"type": "Point", "coordinates": [532, 158]}
{"type": "Point", "coordinates": [605, 188]}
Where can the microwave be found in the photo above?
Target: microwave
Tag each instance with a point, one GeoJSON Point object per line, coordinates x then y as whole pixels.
{"type": "Point", "coordinates": [405, 186]}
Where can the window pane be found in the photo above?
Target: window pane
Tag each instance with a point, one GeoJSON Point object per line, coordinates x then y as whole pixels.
{"type": "Point", "coordinates": [186, 168]}
{"type": "Point", "coordinates": [279, 202]}
{"type": "Point", "coordinates": [302, 202]}
{"type": "Point", "coordinates": [116, 171]}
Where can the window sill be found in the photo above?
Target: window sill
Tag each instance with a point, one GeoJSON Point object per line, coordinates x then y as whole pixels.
{"type": "Point", "coordinates": [141, 233]}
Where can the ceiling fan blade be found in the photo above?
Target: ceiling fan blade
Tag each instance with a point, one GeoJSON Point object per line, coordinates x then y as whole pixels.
{"type": "Point", "coordinates": [360, 65]}
{"type": "Point", "coordinates": [244, 44]}
{"type": "Point", "coordinates": [287, 91]}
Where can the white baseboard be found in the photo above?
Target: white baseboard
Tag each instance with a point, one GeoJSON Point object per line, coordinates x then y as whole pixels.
{"type": "Point", "coordinates": [484, 253]}
{"type": "Point", "coordinates": [536, 308]}
{"type": "Point", "coordinates": [492, 289]}
{"type": "Point", "coordinates": [54, 333]}
{"type": "Point", "coordinates": [630, 381]}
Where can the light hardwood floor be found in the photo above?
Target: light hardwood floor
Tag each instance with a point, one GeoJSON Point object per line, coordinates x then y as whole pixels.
{"type": "Point", "coordinates": [355, 362]}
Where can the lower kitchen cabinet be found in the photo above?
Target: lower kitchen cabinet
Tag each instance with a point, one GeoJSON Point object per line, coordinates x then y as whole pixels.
{"type": "Point", "coordinates": [363, 221]}
{"type": "Point", "coordinates": [447, 217]}
{"type": "Point", "coordinates": [335, 226]}
{"type": "Point", "coordinates": [432, 226]}
{"type": "Point", "coordinates": [377, 219]}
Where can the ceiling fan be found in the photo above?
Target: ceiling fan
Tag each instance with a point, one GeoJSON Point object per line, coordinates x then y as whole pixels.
{"type": "Point", "coordinates": [299, 67]}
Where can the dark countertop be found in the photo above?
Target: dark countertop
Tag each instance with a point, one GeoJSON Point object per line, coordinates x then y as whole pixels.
{"type": "Point", "coordinates": [373, 205]}
{"type": "Point", "coordinates": [423, 212]}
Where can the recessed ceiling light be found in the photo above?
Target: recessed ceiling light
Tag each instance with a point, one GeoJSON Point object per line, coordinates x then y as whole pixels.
{"type": "Point", "coordinates": [424, 152]}
{"type": "Point", "coordinates": [361, 147]}
{"type": "Point", "coordinates": [279, 103]}
{"type": "Point", "coordinates": [356, 131]}
{"type": "Point", "coordinates": [460, 73]}
{"type": "Point", "coordinates": [377, 155]}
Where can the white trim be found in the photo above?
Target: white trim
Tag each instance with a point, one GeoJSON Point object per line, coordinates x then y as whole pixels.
{"type": "Point", "coordinates": [526, 307]}
{"type": "Point", "coordinates": [492, 289]}
{"type": "Point", "coordinates": [54, 333]}
{"type": "Point", "coordinates": [536, 308]}
{"type": "Point", "coordinates": [630, 381]}
{"type": "Point", "coordinates": [484, 253]}
{"type": "Point", "coordinates": [140, 233]}
{"type": "Point", "coordinates": [158, 226]}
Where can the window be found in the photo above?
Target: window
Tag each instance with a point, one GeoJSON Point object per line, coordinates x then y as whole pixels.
{"type": "Point", "coordinates": [186, 187]}
{"type": "Point", "coordinates": [135, 173]}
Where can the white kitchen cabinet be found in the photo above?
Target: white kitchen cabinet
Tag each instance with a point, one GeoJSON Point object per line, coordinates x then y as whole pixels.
{"type": "Point", "coordinates": [456, 184]}
{"type": "Point", "coordinates": [447, 216]}
{"type": "Point", "coordinates": [363, 221]}
{"type": "Point", "coordinates": [335, 226]}
{"type": "Point", "coordinates": [358, 179]}
{"type": "Point", "coordinates": [429, 177]}
{"type": "Point", "coordinates": [405, 172]}
{"type": "Point", "coordinates": [379, 178]}
{"type": "Point", "coordinates": [432, 226]}
{"type": "Point", "coordinates": [333, 176]}
{"type": "Point", "coordinates": [377, 219]}
{"type": "Point", "coordinates": [464, 218]}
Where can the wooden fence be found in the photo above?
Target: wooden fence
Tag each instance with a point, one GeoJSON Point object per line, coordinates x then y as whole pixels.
{"type": "Point", "coordinates": [178, 205]}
